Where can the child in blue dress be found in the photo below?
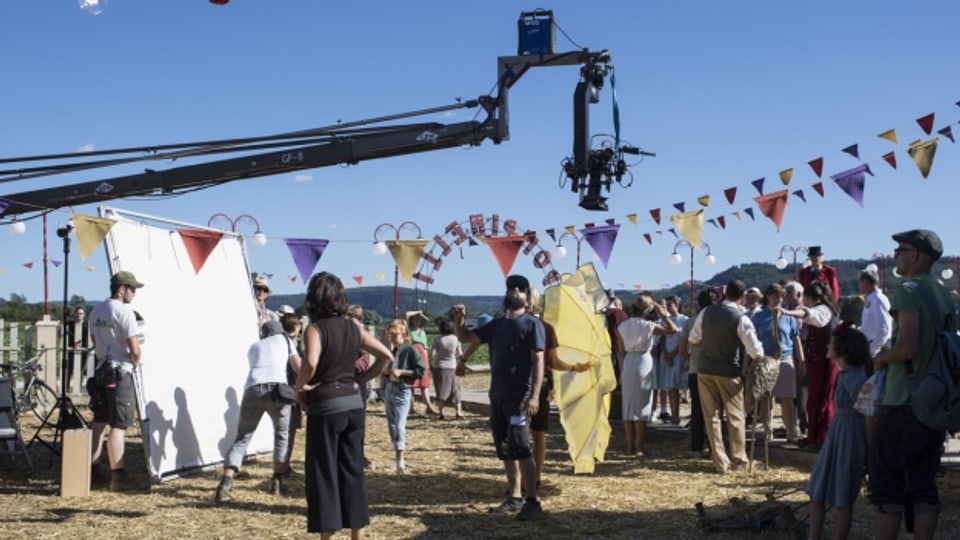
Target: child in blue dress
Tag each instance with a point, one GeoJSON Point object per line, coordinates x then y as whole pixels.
{"type": "Point", "coordinates": [838, 474]}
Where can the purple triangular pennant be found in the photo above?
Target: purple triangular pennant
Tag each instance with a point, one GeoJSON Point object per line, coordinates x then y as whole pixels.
{"type": "Point", "coordinates": [268, 276]}
{"type": "Point", "coordinates": [674, 233]}
{"type": "Point", "coordinates": [306, 254]}
{"type": "Point", "coordinates": [601, 239]}
{"type": "Point", "coordinates": [946, 132]}
{"type": "Point", "coordinates": [799, 193]}
{"type": "Point", "coordinates": [680, 206]}
{"type": "Point", "coordinates": [611, 221]}
{"type": "Point", "coordinates": [713, 222]}
{"type": "Point", "coordinates": [852, 182]}
{"type": "Point", "coordinates": [552, 233]}
{"type": "Point", "coordinates": [853, 150]}
{"type": "Point", "coordinates": [749, 212]}
{"type": "Point", "coordinates": [4, 203]}
{"type": "Point", "coordinates": [758, 183]}
{"type": "Point", "coordinates": [56, 262]}
{"type": "Point", "coordinates": [475, 243]}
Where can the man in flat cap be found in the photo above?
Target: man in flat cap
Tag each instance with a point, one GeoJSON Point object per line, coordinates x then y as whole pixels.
{"type": "Point", "coordinates": [904, 458]}
{"type": "Point", "coordinates": [817, 271]}
{"type": "Point", "coordinates": [115, 332]}
{"type": "Point", "coordinates": [517, 342]}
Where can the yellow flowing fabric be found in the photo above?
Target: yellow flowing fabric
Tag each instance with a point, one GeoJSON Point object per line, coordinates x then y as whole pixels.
{"type": "Point", "coordinates": [573, 308]}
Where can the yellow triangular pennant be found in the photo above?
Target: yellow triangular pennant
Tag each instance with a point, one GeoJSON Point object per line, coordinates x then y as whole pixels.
{"type": "Point", "coordinates": [690, 226]}
{"type": "Point", "coordinates": [923, 153]}
{"type": "Point", "coordinates": [890, 135]}
{"type": "Point", "coordinates": [91, 230]}
{"type": "Point", "coordinates": [406, 255]}
{"type": "Point", "coordinates": [786, 175]}
{"type": "Point", "coordinates": [704, 200]}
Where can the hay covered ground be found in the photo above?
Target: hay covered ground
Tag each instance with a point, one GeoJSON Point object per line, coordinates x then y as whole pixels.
{"type": "Point", "coordinates": [455, 479]}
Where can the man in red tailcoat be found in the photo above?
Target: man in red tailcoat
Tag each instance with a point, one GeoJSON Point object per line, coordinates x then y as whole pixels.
{"type": "Point", "coordinates": [817, 271]}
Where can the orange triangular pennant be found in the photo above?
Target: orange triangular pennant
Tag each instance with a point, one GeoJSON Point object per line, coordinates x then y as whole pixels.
{"type": "Point", "coordinates": [773, 205]}
{"type": "Point", "coordinates": [505, 249]}
{"type": "Point", "coordinates": [199, 245]}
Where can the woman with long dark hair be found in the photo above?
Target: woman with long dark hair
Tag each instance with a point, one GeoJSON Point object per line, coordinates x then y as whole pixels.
{"type": "Point", "coordinates": [336, 486]}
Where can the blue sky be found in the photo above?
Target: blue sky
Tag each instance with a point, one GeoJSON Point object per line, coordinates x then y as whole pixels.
{"type": "Point", "coordinates": [723, 92]}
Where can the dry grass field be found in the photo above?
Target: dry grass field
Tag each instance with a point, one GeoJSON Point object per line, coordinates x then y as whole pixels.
{"type": "Point", "coordinates": [455, 479]}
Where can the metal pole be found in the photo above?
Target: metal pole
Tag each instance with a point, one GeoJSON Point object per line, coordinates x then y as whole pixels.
{"type": "Point", "coordinates": [46, 272]}
{"type": "Point", "coordinates": [691, 277]}
{"type": "Point", "coordinates": [396, 288]}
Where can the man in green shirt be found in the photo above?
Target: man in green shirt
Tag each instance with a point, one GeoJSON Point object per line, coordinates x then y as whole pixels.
{"type": "Point", "coordinates": [905, 454]}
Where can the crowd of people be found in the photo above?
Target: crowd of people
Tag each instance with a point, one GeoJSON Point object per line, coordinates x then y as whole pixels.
{"type": "Point", "coordinates": [317, 365]}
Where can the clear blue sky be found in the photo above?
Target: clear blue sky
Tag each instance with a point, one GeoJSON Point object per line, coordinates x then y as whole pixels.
{"type": "Point", "coordinates": [723, 92]}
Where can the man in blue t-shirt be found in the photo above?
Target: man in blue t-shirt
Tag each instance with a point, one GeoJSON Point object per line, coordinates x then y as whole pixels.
{"type": "Point", "coordinates": [516, 344]}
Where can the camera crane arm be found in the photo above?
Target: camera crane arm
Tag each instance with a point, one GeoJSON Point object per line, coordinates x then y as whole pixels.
{"type": "Point", "coordinates": [340, 144]}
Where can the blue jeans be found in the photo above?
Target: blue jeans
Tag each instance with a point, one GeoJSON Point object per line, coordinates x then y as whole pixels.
{"type": "Point", "coordinates": [398, 398]}
{"type": "Point", "coordinates": [258, 399]}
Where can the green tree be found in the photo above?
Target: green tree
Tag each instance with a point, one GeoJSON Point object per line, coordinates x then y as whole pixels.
{"type": "Point", "coordinates": [17, 309]}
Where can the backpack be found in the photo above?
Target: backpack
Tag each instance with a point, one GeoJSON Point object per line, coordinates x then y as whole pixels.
{"type": "Point", "coordinates": [935, 395]}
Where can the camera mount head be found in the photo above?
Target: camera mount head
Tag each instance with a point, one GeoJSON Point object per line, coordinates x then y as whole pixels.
{"type": "Point", "coordinates": [63, 231]}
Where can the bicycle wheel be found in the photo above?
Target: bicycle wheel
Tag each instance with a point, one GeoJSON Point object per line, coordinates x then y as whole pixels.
{"type": "Point", "coordinates": [41, 399]}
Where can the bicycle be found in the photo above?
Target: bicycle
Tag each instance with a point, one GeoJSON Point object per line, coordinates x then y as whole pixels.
{"type": "Point", "coordinates": [37, 395]}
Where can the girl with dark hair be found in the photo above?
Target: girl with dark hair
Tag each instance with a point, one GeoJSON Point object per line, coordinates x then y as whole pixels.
{"type": "Point", "coordinates": [819, 315]}
{"type": "Point", "coordinates": [336, 486]}
{"type": "Point", "coordinates": [837, 476]}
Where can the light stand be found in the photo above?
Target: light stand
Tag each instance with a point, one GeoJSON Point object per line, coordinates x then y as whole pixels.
{"type": "Point", "coordinates": [68, 417]}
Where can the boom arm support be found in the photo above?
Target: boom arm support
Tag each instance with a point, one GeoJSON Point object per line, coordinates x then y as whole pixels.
{"type": "Point", "coordinates": [343, 146]}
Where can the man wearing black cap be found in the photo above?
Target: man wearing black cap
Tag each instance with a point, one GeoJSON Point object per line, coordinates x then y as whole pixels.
{"type": "Point", "coordinates": [115, 332]}
{"type": "Point", "coordinates": [817, 271]}
{"type": "Point", "coordinates": [516, 344]}
{"type": "Point", "coordinates": [905, 455]}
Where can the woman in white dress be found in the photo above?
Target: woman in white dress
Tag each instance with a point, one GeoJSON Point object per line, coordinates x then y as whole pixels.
{"type": "Point", "coordinates": [635, 336]}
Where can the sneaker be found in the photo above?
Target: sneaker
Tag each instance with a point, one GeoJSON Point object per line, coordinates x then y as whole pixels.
{"type": "Point", "coordinates": [531, 510]}
{"type": "Point", "coordinates": [223, 489]}
{"type": "Point", "coordinates": [664, 416]}
{"type": "Point", "coordinates": [276, 485]}
{"type": "Point", "coordinates": [508, 506]}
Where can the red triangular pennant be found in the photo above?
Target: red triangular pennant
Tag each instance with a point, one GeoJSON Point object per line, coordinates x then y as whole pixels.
{"type": "Point", "coordinates": [818, 187]}
{"type": "Point", "coordinates": [891, 158]}
{"type": "Point", "coordinates": [817, 166]}
{"type": "Point", "coordinates": [773, 205]}
{"type": "Point", "coordinates": [722, 220]}
{"type": "Point", "coordinates": [926, 123]}
{"type": "Point", "coordinates": [358, 279]}
{"type": "Point", "coordinates": [655, 214]}
{"type": "Point", "coordinates": [730, 194]}
{"type": "Point", "coordinates": [648, 238]}
{"type": "Point", "coordinates": [199, 245]}
{"type": "Point", "coordinates": [505, 249]}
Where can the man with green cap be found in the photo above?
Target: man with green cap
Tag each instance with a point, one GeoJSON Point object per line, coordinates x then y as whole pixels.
{"type": "Point", "coordinates": [115, 332]}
